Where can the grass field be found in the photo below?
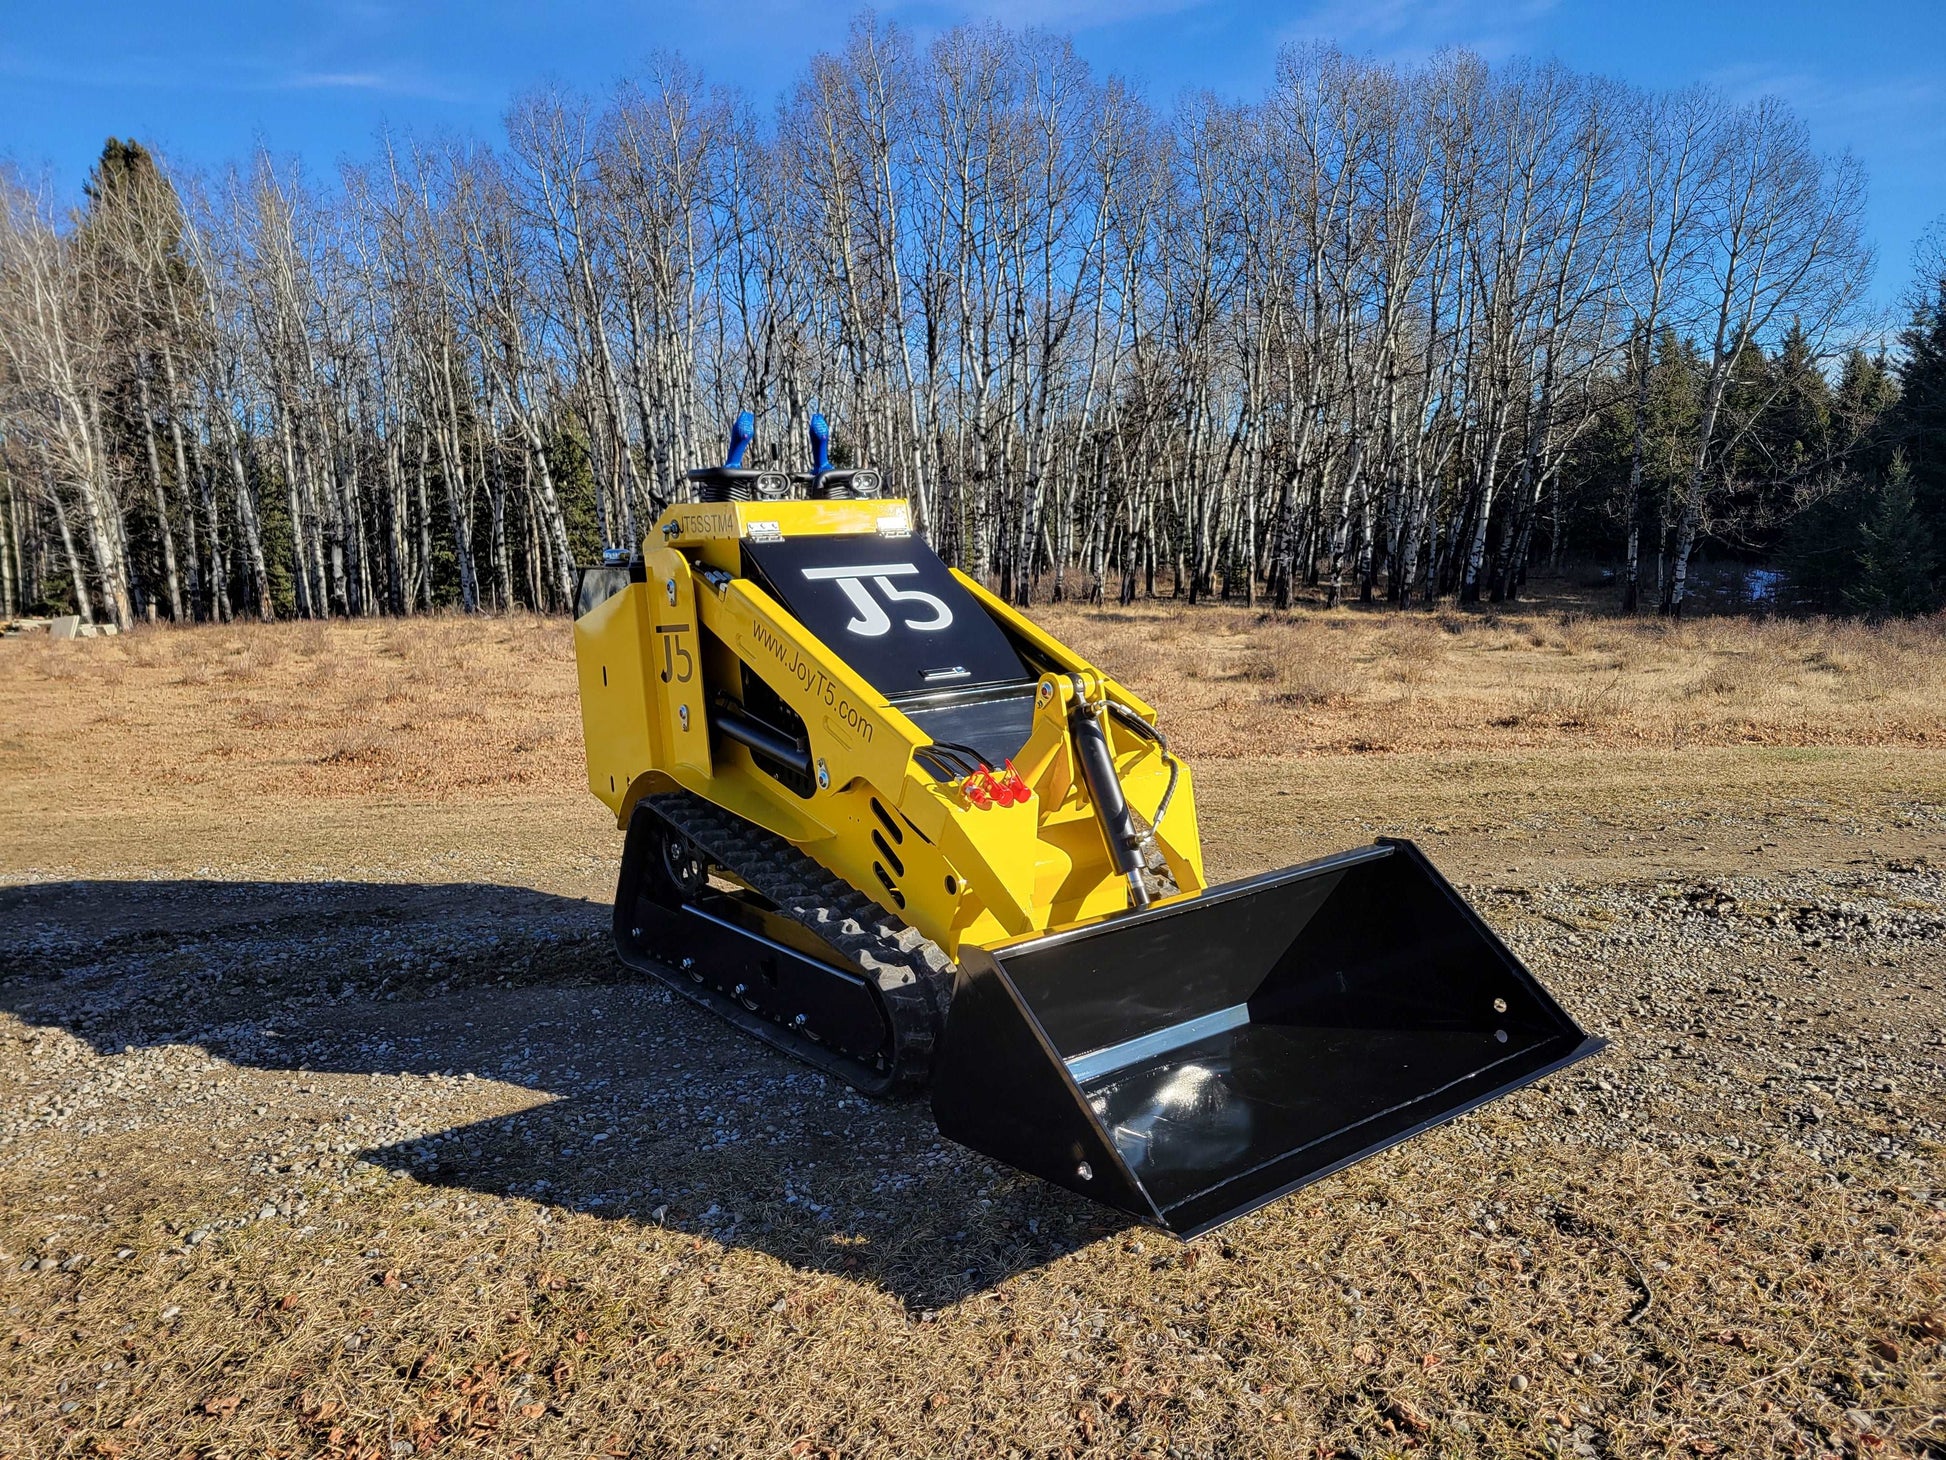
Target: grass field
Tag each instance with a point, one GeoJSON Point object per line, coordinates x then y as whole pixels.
{"type": "Point", "coordinates": [328, 1125]}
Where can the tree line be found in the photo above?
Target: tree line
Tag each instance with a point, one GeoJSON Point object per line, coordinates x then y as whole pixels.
{"type": "Point", "coordinates": [1392, 332]}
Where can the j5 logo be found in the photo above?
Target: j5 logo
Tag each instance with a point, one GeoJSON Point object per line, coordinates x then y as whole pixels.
{"type": "Point", "coordinates": [677, 662]}
{"type": "Point", "coordinates": [872, 620]}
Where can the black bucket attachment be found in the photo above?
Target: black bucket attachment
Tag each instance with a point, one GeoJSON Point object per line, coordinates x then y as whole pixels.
{"type": "Point", "coordinates": [1192, 1061]}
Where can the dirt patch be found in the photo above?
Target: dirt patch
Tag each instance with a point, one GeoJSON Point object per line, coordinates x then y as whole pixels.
{"type": "Point", "coordinates": [329, 1125]}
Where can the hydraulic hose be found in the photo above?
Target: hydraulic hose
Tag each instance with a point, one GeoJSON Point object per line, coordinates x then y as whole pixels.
{"type": "Point", "coordinates": [1143, 728]}
{"type": "Point", "coordinates": [1087, 726]}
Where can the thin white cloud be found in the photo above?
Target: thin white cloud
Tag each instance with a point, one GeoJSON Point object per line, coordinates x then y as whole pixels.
{"type": "Point", "coordinates": [1411, 30]}
{"type": "Point", "coordinates": [109, 74]}
{"type": "Point", "coordinates": [212, 73]}
{"type": "Point", "coordinates": [927, 16]}
{"type": "Point", "coordinates": [343, 80]}
{"type": "Point", "coordinates": [1902, 115]}
{"type": "Point", "coordinates": [1078, 14]}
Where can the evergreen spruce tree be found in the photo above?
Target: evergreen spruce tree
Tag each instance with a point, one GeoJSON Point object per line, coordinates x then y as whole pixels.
{"type": "Point", "coordinates": [1918, 421]}
{"type": "Point", "coordinates": [1797, 426]}
{"type": "Point", "coordinates": [1877, 546]}
{"type": "Point", "coordinates": [1895, 567]}
{"type": "Point", "coordinates": [1866, 391]}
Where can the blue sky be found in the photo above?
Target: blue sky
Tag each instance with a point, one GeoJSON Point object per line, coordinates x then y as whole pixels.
{"type": "Point", "coordinates": [205, 79]}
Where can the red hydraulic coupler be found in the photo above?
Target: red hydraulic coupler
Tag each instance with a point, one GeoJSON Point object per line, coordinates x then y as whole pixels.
{"type": "Point", "coordinates": [996, 789]}
{"type": "Point", "coordinates": [1016, 787]}
{"type": "Point", "coordinates": [986, 790]}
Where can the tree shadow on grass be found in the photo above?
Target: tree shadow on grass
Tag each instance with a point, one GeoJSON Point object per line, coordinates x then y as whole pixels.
{"type": "Point", "coordinates": [637, 1106]}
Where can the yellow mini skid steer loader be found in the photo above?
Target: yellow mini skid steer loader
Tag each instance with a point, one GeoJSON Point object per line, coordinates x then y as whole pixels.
{"type": "Point", "coordinates": [881, 820]}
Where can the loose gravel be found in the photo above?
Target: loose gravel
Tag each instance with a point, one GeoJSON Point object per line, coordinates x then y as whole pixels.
{"type": "Point", "coordinates": [439, 1123]}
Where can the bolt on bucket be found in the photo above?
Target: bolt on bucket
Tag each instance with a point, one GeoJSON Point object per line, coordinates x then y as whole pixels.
{"type": "Point", "coordinates": [1192, 1061]}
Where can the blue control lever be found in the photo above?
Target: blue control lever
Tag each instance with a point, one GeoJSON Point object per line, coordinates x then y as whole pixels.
{"type": "Point", "coordinates": [741, 435]}
{"type": "Point", "coordinates": [820, 445]}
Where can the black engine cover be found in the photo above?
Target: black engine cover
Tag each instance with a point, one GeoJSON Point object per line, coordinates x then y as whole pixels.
{"type": "Point", "coordinates": [891, 609]}
{"type": "Point", "coordinates": [895, 613]}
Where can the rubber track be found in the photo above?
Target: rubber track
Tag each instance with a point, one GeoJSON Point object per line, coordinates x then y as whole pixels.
{"type": "Point", "coordinates": [914, 977]}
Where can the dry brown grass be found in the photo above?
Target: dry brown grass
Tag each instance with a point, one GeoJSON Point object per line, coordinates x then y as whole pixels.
{"type": "Point", "coordinates": [436, 709]}
{"type": "Point", "coordinates": [1232, 682]}
{"type": "Point", "coordinates": [450, 708]}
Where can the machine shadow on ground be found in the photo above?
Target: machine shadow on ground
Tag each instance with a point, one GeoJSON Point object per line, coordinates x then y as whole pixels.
{"type": "Point", "coordinates": [614, 1098]}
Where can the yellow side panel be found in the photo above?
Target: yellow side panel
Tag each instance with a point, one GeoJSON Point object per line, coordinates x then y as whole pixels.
{"type": "Point", "coordinates": [617, 706]}
{"type": "Point", "coordinates": [675, 656]}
